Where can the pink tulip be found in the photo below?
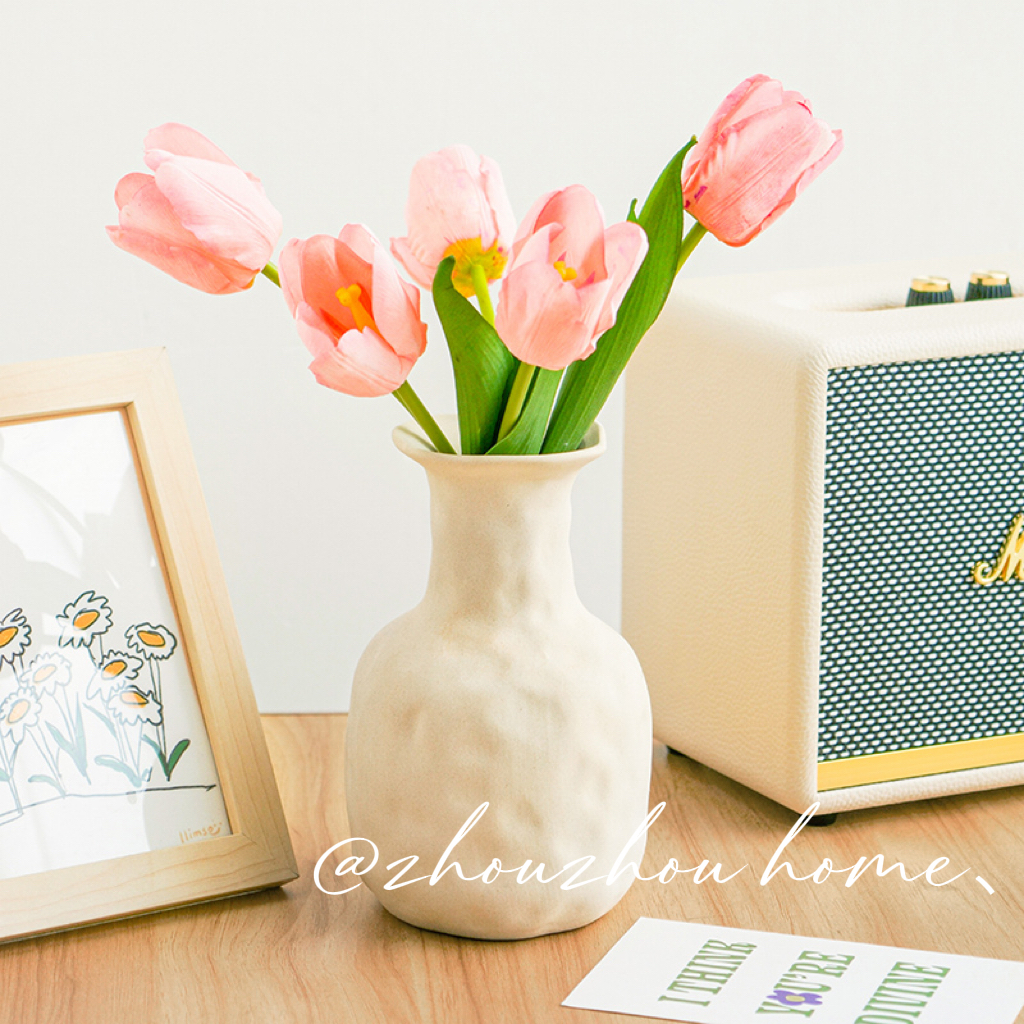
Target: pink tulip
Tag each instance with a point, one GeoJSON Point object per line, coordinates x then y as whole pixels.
{"type": "Point", "coordinates": [457, 207]}
{"type": "Point", "coordinates": [198, 217]}
{"type": "Point", "coordinates": [760, 150]}
{"type": "Point", "coordinates": [567, 278]}
{"type": "Point", "coordinates": [358, 318]}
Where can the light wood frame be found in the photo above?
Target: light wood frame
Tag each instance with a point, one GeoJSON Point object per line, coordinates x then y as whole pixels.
{"type": "Point", "coordinates": [258, 853]}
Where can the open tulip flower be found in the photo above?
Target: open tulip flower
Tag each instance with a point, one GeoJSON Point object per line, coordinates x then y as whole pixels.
{"type": "Point", "coordinates": [358, 318]}
{"type": "Point", "coordinates": [576, 297]}
{"type": "Point", "coordinates": [198, 217]}
{"type": "Point", "coordinates": [567, 278]}
{"type": "Point", "coordinates": [457, 207]}
{"type": "Point", "coordinates": [761, 148]}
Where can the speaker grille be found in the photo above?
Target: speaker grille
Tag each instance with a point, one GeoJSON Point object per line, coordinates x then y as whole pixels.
{"type": "Point", "coordinates": [924, 472]}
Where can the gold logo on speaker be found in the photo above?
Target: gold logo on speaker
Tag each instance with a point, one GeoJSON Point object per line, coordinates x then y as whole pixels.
{"type": "Point", "coordinates": [1010, 562]}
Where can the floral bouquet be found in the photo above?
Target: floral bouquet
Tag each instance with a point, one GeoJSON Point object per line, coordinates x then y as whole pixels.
{"type": "Point", "coordinates": [532, 371]}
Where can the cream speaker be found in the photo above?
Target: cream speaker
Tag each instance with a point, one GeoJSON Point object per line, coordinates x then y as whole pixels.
{"type": "Point", "coordinates": [824, 533]}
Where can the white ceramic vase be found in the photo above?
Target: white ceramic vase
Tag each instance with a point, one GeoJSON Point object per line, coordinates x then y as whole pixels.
{"type": "Point", "coordinates": [499, 687]}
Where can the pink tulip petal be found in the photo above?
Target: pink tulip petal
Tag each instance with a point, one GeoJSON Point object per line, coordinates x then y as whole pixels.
{"type": "Point", "coordinates": [361, 240]}
{"type": "Point", "coordinates": [362, 364]}
{"type": "Point", "coordinates": [397, 319]}
{"type": "Point", "coordinates": [538, 246]}
{"type": "Point", "coordinates": [149, 211]}
{"type": "Point", "coordinates": [188, 265]}
{"type": "Point", "coordinates": [454, 195]}
{"type": "Point", "coordinates": [317, 334]}
{"type": "Point", "coordinates": [759, 92]}
{"type": "Point", "coordinates": [126, 188]}
{"type": "Point", "coordinates": [528, 225]}
{"type": "Point", "coordinates": [148, 228]}
{"type": "Point", "coordinates": [504, 220]}
{"type": "Point", "coordinates": [804, 180]}
{"type": "Point", "coordinates": [368, 363]}
{"type": "Point", "coordinates": [216, 202]}
{"type": "Point", "coordinates": [417, 270]}
{"type": "Point", "coordinates": [289, 269]}
{"type": "Point", "coordinates": [180, 140]}
{"type": "Point", "coordinates": [327, 265]}
{"type": "Point", "coordinates": [749, 170]}
{"type": "Point", "coordinates": [752, 159]}
{"type": "Point", "coordinates": [625, 247]}
{"type": "Point", "coordinates": [540, 317]}
{"type": "Point", "coordinates": [581, 241]}
{"type": "Point", "coordinates": [595, 307]}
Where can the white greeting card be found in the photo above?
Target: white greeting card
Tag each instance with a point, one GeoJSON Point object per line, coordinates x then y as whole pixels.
{"type": "Point", "coordinates": [705, 974]}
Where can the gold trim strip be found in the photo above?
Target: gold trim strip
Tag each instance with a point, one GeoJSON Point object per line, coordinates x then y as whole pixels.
{"type": "Point", "coordinates": [918, 761]}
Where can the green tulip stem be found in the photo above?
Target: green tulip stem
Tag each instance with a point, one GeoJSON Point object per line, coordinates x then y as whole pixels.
{"type": "Point", "coordinates": [270, 271]}
{"type": "Point", "coordinates": [693, 236]}
{"type": "Point", "coordinates": [412, 404]}
{"type": "Point", "coordinates": [483, 294]}
{"type": "Point", "coordinates": [516, 398]}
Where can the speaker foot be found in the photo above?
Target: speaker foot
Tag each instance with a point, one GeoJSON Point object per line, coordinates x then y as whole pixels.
{"type": "Point", "coordinates": [820, 820]}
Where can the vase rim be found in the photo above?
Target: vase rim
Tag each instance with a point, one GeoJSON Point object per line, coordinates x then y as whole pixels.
{"type": "Point", "coordinates": [410, 440]}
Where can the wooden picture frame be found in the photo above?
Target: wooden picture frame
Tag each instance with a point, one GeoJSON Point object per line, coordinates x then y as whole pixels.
{"type": "Point", "coordinates": [254, 850]}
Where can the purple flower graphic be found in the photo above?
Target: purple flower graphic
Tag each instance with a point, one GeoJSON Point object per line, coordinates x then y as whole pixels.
{"type": "Point", "coordinates": [787, 998]}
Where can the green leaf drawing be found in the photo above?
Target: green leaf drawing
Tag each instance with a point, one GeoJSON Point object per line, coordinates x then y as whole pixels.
{"type": "Point", "coordinates": [527, 436]}
{"type": "Point", "coordinates": [62, 741]}
{"type": "Point", "coordinates": [168, 764]}
{"type": "Point", "coordinates": [179, 748]}
{"type": "Point", "coordinates": [4, 777]}
{"type": "Point", "coordinates": [589, 383]}
{"type": "Point", "coordinates": [81, 758]}
{"type": "Point", "coordinates": [104, 719]}
{"type": "Point", "coordinates": [50, 782]}
{"type": "Point", "coordinates": [106, 761]}
{"type": "Point", "coordinates": [483, 367]}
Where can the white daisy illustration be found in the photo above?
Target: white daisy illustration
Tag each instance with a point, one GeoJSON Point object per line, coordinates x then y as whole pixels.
{"type": "Point", "coordinates": [87, 617]}
{"type": "Point", "coordinates": [46, 672]}
{"type": "Point", "coordinates": [131, 705]}
{"type": "Point", "coordinates": [15, 636]}
{"type": "Point", "coordinates": [151, 641]}
{"type": "Point", "coordinates": [20, 711]}
{"type": "Point", "coordinates": [114, 671]}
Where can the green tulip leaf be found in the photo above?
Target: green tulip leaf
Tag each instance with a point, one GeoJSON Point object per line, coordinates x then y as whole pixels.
{"type": "Point", "coordinates": [482, 365]}
{"type": "Point", "coordinates": [589, 382]}
{"type": "Point", "coordinates": [527, 436]}
{"type": "Point", "coordinates": [4, 777]}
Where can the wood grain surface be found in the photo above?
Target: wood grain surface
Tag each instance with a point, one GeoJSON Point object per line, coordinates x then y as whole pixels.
{"type": "Point", "coordinates": [294, 954]}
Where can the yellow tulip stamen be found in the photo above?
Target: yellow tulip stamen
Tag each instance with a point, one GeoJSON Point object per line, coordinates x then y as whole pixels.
{"type": "Point", "coordinates": [352, 299]}
{"type": "Point", "coordinates": [44, 673]}
{"type": "Point", "coordinates": [568, 273]}
{"type": "Point", "coordinates": [18, 712]}
{"type": "Point", "coordinates": [133, 697]}
{"type": "Point", "coordinates": [469, 253]}
{"type": "Point", "coordinates": [114, 669]}
{"type": "Point", "coordinates": [7, 635]}
{"type": "Point", "coordinates": [151, 639]}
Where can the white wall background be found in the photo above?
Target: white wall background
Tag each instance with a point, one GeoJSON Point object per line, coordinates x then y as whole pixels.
{"type": "Point", "coordinates": [322, 527]}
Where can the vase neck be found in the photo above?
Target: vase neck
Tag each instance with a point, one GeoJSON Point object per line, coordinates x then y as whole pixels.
{"type": "Point", "coordinates": [500, 539]}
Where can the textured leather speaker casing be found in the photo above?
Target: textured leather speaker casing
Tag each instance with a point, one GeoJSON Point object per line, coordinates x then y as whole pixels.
{"type": "Point", "coordinates": [725, 490]}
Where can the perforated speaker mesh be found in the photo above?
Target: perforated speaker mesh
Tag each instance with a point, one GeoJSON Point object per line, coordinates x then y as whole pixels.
{"type": "Point", "coordinates": [924, 472]}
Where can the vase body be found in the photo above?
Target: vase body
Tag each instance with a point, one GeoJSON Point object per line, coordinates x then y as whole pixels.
{"type": "Point", "coordinates": [499, 687]}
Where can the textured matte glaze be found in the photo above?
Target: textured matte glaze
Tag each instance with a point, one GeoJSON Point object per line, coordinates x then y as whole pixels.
{"type": "Point", "coordinates": [501, 687]}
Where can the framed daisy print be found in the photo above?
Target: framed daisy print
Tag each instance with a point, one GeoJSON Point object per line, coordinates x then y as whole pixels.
{"type": "Point", "coordinates": [133, 770]}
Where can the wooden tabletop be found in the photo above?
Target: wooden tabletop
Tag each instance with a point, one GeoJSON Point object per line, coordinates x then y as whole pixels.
{"type": "Point", "coordinates": [296, 955]}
